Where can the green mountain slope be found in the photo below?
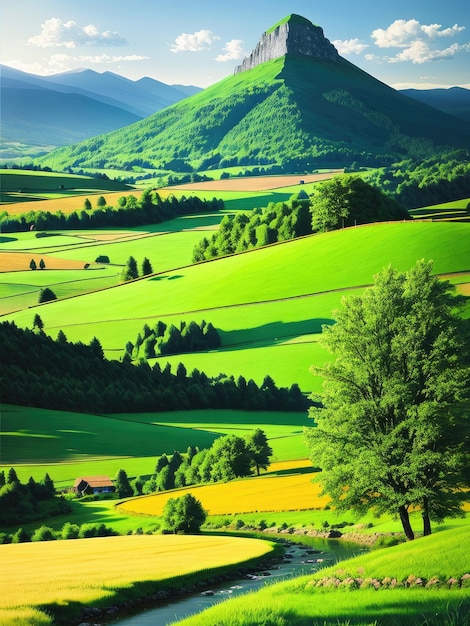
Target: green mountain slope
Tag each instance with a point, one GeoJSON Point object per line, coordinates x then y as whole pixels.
{"type": "Point", "coordinates": [291, 111]}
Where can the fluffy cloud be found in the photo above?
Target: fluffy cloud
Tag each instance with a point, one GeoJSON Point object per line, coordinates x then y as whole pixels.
{"type": "Point", "coordinates": [417, 42]}
{"type": "Point", "coordinates": [56, 33]}
{"type": "Point", "coordinates": [349, 46]}
{"type": "Point", "coordinates": [402, 33]}
{"type": "Point", "coordinates": [195, 42]}
{"type": "Point", "coordinates": [233, 51]}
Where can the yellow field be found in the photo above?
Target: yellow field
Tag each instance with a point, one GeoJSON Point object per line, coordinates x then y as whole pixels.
{"type": "Point", "coordinates": [88, 570]}
{"type": "Point", "coordinates": [292, 492]}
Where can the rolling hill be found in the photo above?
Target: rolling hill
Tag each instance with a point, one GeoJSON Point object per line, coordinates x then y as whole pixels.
{"type": "Point", "coordinates": [293, 106]}
{"type": "Point", "coordinates": [268, 304]}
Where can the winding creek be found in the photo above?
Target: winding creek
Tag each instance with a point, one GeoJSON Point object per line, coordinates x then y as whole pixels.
{"type": "Point", "coordinates": [299, 559]}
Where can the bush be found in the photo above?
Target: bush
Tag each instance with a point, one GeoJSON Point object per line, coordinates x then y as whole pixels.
{"type": "Point", "coordinates": [43, 533]}
{"type": "Point", "coordinates": [184, 514]}
{"type": "Point", "coordinates": [70, 531]}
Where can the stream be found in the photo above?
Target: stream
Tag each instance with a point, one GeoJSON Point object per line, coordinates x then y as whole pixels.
{"type": "Point", "coordinates": [299, 559]}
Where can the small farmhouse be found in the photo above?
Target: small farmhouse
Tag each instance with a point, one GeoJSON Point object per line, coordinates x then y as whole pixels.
{"type": "Point", "coordinates": [87, 485]}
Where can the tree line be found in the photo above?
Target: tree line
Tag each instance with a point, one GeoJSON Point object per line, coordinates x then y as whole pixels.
{"type": "Point", "coordinates": [163, 339]}
{"type": "Point", "coordinates": [336, 203]}
{"type": "Point", "coordinates": [228, 458]}
{"type": "Point", "coordinates": [150, 208]}
{"type": "Point", "coordinates": [36, 370]}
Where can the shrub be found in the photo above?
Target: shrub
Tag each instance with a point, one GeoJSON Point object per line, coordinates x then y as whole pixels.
{"type": "Point", "coordinates": [43, 533]}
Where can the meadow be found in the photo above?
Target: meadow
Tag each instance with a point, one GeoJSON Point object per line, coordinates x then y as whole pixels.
{"type": "Point", "coordinates": [410, 584]}
{"type": "Point", "coordinates": [257, 300]}
{"type": "Point", "coordinates": [105, 571]}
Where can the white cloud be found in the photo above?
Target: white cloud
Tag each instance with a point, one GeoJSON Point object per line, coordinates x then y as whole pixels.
{"type": "Point", "coordinates": [56, 33]}
{"type": "Point", "coordinates": [401, 33]}
{"type": "Point", "coordinates": [195, 42]}
{"type": "Point", "coordinates": [349, 46]}
{"type": "Point", "coordinates": [233, 51]}
{"type": "Point", "coordinates": [420, 52]}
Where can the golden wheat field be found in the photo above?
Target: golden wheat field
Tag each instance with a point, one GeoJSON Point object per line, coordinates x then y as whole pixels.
{"type": "Point", "coordinates": [291, 492]}
{"type": "Point", "coordinates": [88, 570]}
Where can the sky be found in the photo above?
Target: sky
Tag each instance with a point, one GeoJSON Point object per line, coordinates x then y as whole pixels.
{"type": "Point", "coordinates": [419, 44]}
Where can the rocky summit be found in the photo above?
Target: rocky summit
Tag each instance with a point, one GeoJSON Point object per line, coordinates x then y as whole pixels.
{"type": "Point", "coordinates": [292, 35]}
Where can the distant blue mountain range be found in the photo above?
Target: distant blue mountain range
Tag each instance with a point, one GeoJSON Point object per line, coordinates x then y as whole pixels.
{"type": "Point", "coordinates": [39, 113]}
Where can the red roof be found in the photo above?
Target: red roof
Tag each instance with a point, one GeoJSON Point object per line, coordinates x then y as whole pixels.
{"type": "Point", "coordinates": [94, 481]}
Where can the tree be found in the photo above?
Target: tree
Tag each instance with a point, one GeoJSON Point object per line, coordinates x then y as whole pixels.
{"type": "Point", "coordinates": [87, 205]}
{"type": "Point", "coordinates": [46, 295]}
{"type": "Point", "coordinates": [122, 484]}
{"type": "Point", "coordinates": [260, 450]}
{"type": "Point", "coordinates": [101, 202]}
{"type": "Point", "coordinates": [130, 271]}
{"type": "Point", "coordinates": [185, 514]}
{"type": "Point", "coordinates": [32, 265]}
{"type": "Point", "coordinates": [42, 265]}
{"type": "Point", "coordinates": [348, 200]}
{"type": "Point", "coordinates": [228, 458]}
{"type": "Point", "coordinates": [391, 433]}
{"type": "Point", "coordinates": [38, 323]}
{"type": "Point", "coordinates": [146, 267]}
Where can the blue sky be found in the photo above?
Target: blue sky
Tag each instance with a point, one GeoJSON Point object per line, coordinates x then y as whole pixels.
{"type": "Point", "coordinates": [420, 44]}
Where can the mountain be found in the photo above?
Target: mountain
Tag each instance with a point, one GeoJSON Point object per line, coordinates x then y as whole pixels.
{"type": "Point", "coordinates": [51, 111]}
{"type": "Point", "coordinates": [294, 102]}
{"type": "Point", "coordinates": [455, 100]}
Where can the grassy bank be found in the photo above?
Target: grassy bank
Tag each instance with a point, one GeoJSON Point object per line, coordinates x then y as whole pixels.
{"type": "Point", "coordinates": [422, 582]}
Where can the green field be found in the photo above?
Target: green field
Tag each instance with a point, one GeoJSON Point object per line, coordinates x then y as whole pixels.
{"type": "Point", "coordinates": [23, 185]}
{"type": "Point", "coordinates": [258, 300]}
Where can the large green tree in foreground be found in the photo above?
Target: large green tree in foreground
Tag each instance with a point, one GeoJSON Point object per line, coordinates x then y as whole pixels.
{"type": "Point", "coordinates": [393, 433]}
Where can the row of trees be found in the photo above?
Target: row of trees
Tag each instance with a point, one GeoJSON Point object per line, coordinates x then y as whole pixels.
{"type": "Point", "coordinates": [392, 433]}
{"type": "Point", "coordinates": [336, 203]}
{"type": "Point", "coordinates": [68, 531]}
{"type": "Point", "coordinates": [131, 270]}
{"type": "Point", "coordinates": [228, 458]}
{"type": "Point", "coordinates": [21, 502]}
{"type": "Point", "coordinates": [163, 339]}
{"type": "Point", "coordinates": [36, 370]}
{"type": "Point", "coordinates": [149, 208]}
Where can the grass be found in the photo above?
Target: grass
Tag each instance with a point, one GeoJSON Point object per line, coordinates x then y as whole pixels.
{"type": "Point", "coordinates": [107, 570]}
{"type": "Point", "coordinates": [67, 445]}
{"type": "Point", "coordinates": [259, 296]}
{"type": "Point", "coordinates": [300, 602]}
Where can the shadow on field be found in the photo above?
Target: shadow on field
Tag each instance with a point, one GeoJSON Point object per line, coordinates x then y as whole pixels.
{"type": "Point", "coordinates": [7, 239]}
{"type": "Point", "coordinates": [289, 472]}
{"type": "Point", "coordinates": [274, 332]}
{"type": "Point", "coordinates": [167, 277]}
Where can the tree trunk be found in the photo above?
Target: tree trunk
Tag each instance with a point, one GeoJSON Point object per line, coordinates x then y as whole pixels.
{"type": "Point", "coordinates": [425, 516]}
{"type": "Point", "coordinates": [405, 520]}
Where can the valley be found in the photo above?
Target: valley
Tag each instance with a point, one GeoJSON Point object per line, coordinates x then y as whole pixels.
{"type": "Point", "coordinates": [233, 320]}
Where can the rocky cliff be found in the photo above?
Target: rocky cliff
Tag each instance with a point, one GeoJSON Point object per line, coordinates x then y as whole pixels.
{"type": "Point", "coordinates": [293, 35]}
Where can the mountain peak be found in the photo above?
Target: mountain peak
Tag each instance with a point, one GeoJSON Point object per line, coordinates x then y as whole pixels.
{"type": "Point", "coordinates": [292, 35]}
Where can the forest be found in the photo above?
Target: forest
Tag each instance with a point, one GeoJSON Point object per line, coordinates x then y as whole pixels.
{"type": "Point", "coordinates": [39, 371]}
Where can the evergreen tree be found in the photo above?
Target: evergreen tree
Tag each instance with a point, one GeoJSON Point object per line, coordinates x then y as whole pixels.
{"type": "Point", "coordinates": [146, 267]}
{"type": "Point", "coordinates": [42, 265]}
{"type": "Point", "coordinates": [32, 265]}
{"type": "Point", "coordinates": [38, 323]}
{"type": "Point", "coordinates": [87, 205]}
{"type": "Point", "coordinates": [101, 202]}
{"type": "Point", "coordinates": [131, 271]}
{"type": "Point", "coordinates": [12, 476]}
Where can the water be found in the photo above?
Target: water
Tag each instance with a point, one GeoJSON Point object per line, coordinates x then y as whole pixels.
{"type": "Point", "coordinates": [300, 559]}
